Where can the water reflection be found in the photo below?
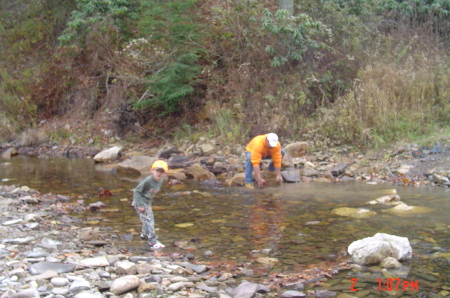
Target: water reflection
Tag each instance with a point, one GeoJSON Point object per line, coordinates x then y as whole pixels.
{"type": "Point", "coordinates": [294, 220]}
{"type": "Point", "coordinates": [265, 216]}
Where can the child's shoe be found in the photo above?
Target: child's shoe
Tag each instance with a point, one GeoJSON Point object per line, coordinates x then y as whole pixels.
{"type": "Point", "coordinates": [157, 245]}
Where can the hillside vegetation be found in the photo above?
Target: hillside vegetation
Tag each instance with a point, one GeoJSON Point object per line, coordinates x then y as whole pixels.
{"type": "Point", "coordinates": [362, 72]}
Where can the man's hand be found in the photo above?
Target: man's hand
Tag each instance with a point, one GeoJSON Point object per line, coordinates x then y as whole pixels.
{"type": "Point", "coordinates": [278, 175]}
{"type": "Point", "coordinates": [141, 209]}
{"type": "Point", "coordinates": [154, 191]}
{"type": "Point", "coordinates": [261, 182]}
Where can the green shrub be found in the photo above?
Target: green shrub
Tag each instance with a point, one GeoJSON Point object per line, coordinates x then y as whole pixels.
{"type": "Point", "coordinates": [293, 35]}
{"type": "Point", "coordinates": [91, 12]}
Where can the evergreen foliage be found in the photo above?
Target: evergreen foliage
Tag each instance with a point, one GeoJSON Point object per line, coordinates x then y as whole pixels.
{"type": "Point", "coordinates": [174, 28]}
{"type": "Point", "coordinates": [293, 36]}
{"type": "Point", "coordinates": [91, 12]}
{"type": "Point", "coordinates": [173, 84]}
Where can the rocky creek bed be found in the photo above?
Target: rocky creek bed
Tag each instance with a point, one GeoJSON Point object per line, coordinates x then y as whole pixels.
{"type": "Point", "coordinates": [45, 252]}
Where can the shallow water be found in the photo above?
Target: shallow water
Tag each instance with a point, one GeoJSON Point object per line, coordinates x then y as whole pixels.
{"type": "Point", "coordinates": [294, 221]}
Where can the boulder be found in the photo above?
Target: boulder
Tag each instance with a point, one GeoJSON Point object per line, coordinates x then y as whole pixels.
{"type": "Point", "coordinates": [373, 250]}
{"type": "Point", "coordinates": [124, 284]}
{"type": "Point", "coordinates": [200, 173]}
{"type": "Point", "coordinates": [297, 149]}
{"type": "Point", "coordinates": [108, 154]}
{"type": "Point", "coordinates": [338, 170]}
{"type": "Point", "coordinates": [208, 148]}
{"type": "Point", "coordinates": [290, 175]}
{"type": "Point", "coordinates": [8, 153]}
{"type": "Point", "coordinates": [139, 164]}
{"type": "Point", "coordinates": [404, 210]}
{"type": "Point", "coordinates": [236, 180]}
{"type": "Point", "coordinates": [353, 212]}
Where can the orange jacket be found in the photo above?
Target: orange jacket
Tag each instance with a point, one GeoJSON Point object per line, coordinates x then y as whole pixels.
{"type": "Point", "coordinates": [259, 150]}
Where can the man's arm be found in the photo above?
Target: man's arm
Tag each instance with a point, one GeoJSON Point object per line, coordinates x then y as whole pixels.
{"type": "Point", "coordinates": [259, 180]}
{"type": "Point", "coordinates": [278, 174]}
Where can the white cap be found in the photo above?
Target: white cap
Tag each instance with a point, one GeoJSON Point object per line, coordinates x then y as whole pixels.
{"type": "Point", "coordinates": [272, 139]}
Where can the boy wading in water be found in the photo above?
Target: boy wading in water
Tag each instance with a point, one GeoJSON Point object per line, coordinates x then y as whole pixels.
{"type": "Point", "coordinates": [142, 202]}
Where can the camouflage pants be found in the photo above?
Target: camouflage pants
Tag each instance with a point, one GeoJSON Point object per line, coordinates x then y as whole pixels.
{"type": "Point", "coordinates": [148, 224]}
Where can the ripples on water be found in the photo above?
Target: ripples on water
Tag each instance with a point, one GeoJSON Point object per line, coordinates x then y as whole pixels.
{"type": "Point", "coordinates": [293, 220]}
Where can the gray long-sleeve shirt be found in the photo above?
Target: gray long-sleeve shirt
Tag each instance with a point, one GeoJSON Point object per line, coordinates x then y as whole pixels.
{"type": "Point", "coordinates": [143, 192]}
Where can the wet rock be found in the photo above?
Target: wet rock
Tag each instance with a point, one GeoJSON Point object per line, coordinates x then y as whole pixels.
{"type": "Point", "coordinates": [338, 170]}
{"type": "Point", "coordinates": [200, 173]}
{"type": "Point", "coordinates": [393, 198]}
{"type": "Point", "coordinates": [404, 210]}
{"type": "Point", "coordinates": [390, 263]}
{"type": "Point", "coordinates": [290, 175]}
{"type": "Point", "coordinates": [96, 206]}
{"type": "Point", "coordinates": [353, 212]}
{"type": "Point", "coordinates": [373, 250]}
{"type": "Point", "coordinates": [236, 180]}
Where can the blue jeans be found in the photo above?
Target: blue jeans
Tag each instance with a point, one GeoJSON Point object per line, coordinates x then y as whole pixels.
{"type": "Point", "coordinates": [249, 166]}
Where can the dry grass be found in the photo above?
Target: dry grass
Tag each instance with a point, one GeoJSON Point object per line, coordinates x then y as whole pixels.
{"type": "Point", "coordinates": [32, 137]}
{"type": "Point", "coordinates": [391, 101]}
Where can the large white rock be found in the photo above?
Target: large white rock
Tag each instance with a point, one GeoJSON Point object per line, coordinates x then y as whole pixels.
{"type": "Point", "coordinates": [108, 154]}
{"type": "Point", "coordinates": [373, 250]}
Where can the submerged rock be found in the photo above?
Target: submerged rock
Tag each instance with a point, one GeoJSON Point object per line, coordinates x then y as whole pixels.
{"type": "Point", "coordinates": [353, 212]}
{"type": "Point", "coordinates": [402, 210]}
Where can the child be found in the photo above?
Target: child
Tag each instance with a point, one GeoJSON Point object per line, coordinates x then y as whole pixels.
{"type": "Point", "coordinates": [142, 202]}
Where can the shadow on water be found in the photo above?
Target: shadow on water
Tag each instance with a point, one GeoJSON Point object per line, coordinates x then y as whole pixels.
{"type": "Point", "coordinates": [294, 221]}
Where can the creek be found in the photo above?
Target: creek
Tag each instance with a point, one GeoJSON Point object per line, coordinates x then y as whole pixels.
{"type": "Point", "coordinates": [294, 221]}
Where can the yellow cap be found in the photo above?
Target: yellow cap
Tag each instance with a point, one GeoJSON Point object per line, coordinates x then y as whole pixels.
{"type": "Point", "coordinates": [160, 164]}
